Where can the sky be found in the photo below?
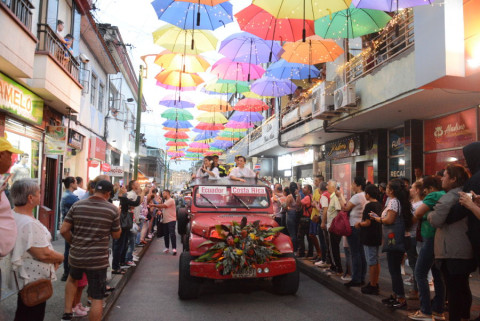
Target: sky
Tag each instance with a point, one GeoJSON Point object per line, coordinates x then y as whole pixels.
{"type": "Point", "coordinates": [136, 21]}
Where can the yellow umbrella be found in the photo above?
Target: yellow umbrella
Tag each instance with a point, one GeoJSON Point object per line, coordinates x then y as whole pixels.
{"type": "Point", "coordinates": [250, 94]}
{"type": "Point", "coordinates": [207, 2]}
{"type": "Point", "coordinates": [181, 62]}
{"type": "Point", "coordinates": [212, 118]}
{"type": "Point", "coordinates": [184, 41]}
{"type": "Point", "coordinates": [214, 104]}
{"type": "Point", "coordinates": [313, 51]}
{"type": "Point", "coordinates": [172, 79]}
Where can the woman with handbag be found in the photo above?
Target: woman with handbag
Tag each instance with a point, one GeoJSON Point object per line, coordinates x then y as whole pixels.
{"type": "Point", "coordinates": [396, 219]}
{"type": "Point", "coordinates": [33, 259]}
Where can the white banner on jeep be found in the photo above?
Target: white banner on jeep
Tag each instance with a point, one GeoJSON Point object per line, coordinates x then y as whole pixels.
{"type": "Point", "coordinates": [213, 190]}
{"type": "Point", "coordinates": [249, 190]}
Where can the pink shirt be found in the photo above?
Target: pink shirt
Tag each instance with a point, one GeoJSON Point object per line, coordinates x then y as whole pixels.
{"type": "Point", "coordinates": [8, 228]}
{"type": "Point", "coordinates": [170, 212]}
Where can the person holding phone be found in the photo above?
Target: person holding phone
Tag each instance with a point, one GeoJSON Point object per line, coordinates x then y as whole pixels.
{"type": "Point", "coordinates": [208, 170]}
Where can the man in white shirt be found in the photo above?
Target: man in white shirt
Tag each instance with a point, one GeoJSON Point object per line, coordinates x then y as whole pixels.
{"type": "Point", "coordinates": [79, 191]}
{"type": "Point", "coordinates": [240, 172]}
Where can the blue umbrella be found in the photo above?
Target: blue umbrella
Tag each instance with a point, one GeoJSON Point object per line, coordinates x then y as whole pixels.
{"type": "Point", "coordinates": [246, 117]}
{"type": "Point", "coordinates": [245, 47]}
{"type": "Point", "coordinates": [206, 132]}
{"type": "Point", "coordinates": [273, 87]}
{"type": "Point", "coordinates": [283, 69]}
{"type": "Point", "coordinates": [223, 144]}
{"type": "Point", "coordinates": [177, 124]}
{"type": "Point", "coordinates": [182, 14]}
{"type": "Point", "coordinates": [206, 135]}
{"type": "Point", "coordinates": [182, 104]}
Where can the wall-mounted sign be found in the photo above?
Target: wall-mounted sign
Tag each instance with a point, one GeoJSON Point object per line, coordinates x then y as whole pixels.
{"type": "Point", "coordinates": [98, 148]}
{"type": "Point", "coordinates": [451, 131]}
{"type": "Point", "coordinates": [396, 167]}
{"type": "Point", "coordinates": [75, 139]}
{"type": "Point", "coordinates": [105, 167]}
{"type": "Point", "coordinates": [303, 157]}
{"type": "Point", "coordinates": [20, 101]}
{"type": "Point", "coordinates": [344, 147]}
{"type": "Point", "coordinates": [396, 139]}
{"type": "Point", "coordinates": [115, 171]}
{"type": "Point", "coordinates": [55, 140]}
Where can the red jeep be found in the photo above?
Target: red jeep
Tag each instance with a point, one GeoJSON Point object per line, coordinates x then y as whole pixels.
{"type": "Point", "coordinates": [228, 233]}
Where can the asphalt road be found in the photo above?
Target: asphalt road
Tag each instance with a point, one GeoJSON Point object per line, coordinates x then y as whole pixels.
{"type": "Point", "coordinates": [151, 294]}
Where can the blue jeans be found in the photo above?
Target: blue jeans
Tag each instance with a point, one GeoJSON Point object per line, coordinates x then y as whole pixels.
{"type": "Point", "coordinates": [131, 246]}
{"type": "Point", "coordinates": [424, 264]}
{"type": "Point", "coordinates": [323, 244]}
{"type": "Point", "coordinates": [394, 260]}
{"type": "Point", "coordinates": [169, 231]}
{"type": "Point", "coordinates": [359, 263]}
{"type": "Point", "coordinates": [292, 228]}
{"type": "Point", "coordinates": [137, 237]}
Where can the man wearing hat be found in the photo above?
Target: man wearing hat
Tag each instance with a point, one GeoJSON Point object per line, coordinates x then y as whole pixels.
{"type": "Point", "coordinates": [93, 221]}
{"type": "Point", "coordinates": [221, 170]}
{"type": "Point", "coordinates": [8, 229]}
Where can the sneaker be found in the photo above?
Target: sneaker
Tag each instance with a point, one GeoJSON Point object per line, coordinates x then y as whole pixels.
{"type": "Point", "coordinates": [81, 307]}
{"type": "Point", "coordinates": [346, 278]}
{"type": "Point", "coordinates": [136, 258]}
{"type": "Point", "coordinates": [441, 316]}
{"type": "Point", "coordinates": [150, 235]}
{"type": "Point", "coordinates": [352, 284]}
{"type": "Point", "coordinates": [140, 245]}
{"type": "Point", "coordinates": [408, 281]}
{"type": "Point", "coordinates": [397, 304]}
{"type": "Point", "coordinates": [174, 252]}
{"type": "Point", "coordinates": [412, 295]}
{"type": "Point", "coordinates": [124, 266]}
{"type": "Point", "coordinates": [77, 312]}
{"type": "Point", "coordinates": [420, 316]}
{"type": "Point", "coordinates": [131, 263]}
{"type": "Point", "coordinates": [67, 316]}
{"type": "Point", "coordinates": [370, 289]}
{"type": "Point", "coordinates": [322, 264]}
{"type": "Point", "coordinates": [389, 300]}
{"type": "Point", "coordinates": [166, 251]}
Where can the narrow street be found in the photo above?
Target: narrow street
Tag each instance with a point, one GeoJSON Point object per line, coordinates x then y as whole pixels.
{"type": "Point", "coordinates": [151, 294]}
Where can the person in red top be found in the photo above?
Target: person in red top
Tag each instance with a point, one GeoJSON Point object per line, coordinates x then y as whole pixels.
{"type": "Point", "coordinates": [169, 221]}
{"type": "Point", "coordinates": [304, 226]}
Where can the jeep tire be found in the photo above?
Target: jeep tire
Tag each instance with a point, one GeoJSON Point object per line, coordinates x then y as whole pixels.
{"type": "Point", "coordinates": [182, 220]}
{"type": "Point", "coordinates": [188, 286]}
{"type": "Point", "coordinates": [287, 283]}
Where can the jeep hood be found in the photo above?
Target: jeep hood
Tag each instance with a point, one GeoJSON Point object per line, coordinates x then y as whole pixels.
{"type": "Point", "coordinates": [201, 224]}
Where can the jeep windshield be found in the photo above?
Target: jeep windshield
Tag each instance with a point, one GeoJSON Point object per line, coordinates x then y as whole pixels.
{"type": "Point", "coordinates": [248, 197]}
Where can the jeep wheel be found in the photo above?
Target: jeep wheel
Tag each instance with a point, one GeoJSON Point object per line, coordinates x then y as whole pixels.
{"type": "Point", "coordinates": [287, 283]}
{"type": "Point", "coordinates": [182, 220]}
{"type": "Point", "coordinates": [188, 286]}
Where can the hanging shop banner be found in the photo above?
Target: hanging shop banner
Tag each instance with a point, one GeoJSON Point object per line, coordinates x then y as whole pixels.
{"type": "Point", "coordinates": [451, 131]}
{"type": "Point", "coordinates": [98, 148]}
{"type": "Point", "coordinates": [396, 140]}
{"type": "Point", "coordinates": [55, 140]}
{"type": "Point", "coordinates": [75, 139]}
{"type": "Point", "coordinates": [342, 174]}
{"type": "Point", "coordinates": [344, 147]}
{"type": "Point", "coordinates": [20, 101]}
{"type": "Point", "coordinates": [115, 171]}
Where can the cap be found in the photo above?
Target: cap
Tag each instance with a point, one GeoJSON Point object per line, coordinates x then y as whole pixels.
{"type": "Point", "coordinates": [5, 145]}
{"type": "Point", "coordinates": [104, 186]}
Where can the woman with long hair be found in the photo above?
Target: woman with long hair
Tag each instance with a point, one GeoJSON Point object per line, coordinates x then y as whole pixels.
{"type": "Point", "coordinates": [293, 204]}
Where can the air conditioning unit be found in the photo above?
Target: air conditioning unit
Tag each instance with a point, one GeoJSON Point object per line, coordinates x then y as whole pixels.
{"type": "Point", "coordinates": [345, 98]}
{"type": "Point", "coordinates": [323, 106]}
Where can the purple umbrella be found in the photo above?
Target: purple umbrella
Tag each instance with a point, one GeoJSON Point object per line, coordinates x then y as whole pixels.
{"type": "Point", "coordinates": [272, 87]}
{"type": "Point", "coordinates": [246, 117]}
{"type": "Point", "coordinates": [245, 47]}
{"type": "Point", "coordinates": [223, 144]}
{"type": "Point", "coordinates": [389, 5]}
{"type": "Point", "coordinates": [182, 104]}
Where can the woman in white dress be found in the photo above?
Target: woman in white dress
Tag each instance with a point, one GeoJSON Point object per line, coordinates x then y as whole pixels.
{"type": "Point", "coordinates": [207, 170]}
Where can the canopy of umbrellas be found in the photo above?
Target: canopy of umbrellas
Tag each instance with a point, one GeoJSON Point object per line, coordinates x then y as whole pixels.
{"type": "Point", "coordinates": [288, 36]}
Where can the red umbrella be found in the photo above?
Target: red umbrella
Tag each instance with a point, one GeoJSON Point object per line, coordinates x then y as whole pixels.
{"type": "Point", "coordinates": [251, 104]}
{"type": "Point", "coordinates": [177, 144]}
{"type": "Point", "coordinates": [176, 135]}
{"type": "Point", "coordinates": [207, 126]}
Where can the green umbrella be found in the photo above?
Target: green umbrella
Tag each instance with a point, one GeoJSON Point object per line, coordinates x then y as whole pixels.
{"type": "Point", "coordinates": [177, 140]}
{"type": "Point", "coordinates": [177, 114]}
{"type": "Point", "coordinates": [228, 86]}
{"type": "Point", "coordinates": [351, 23]}
{"type": "Point", "coordinates": [228, 134]}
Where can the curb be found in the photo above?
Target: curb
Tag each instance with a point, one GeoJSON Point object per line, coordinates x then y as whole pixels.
{"type": "Point", "coordinates": [112, 298]}
{"type": "Point", "coordinates": [368, 303]}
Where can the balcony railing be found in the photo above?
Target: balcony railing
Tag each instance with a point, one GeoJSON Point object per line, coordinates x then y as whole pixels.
{"type": "Point", "coordinates": [22, 9]}
{"type": "Point", "coordinates": [396, 38]}
{"type": "Point", "coordinates": [50, 44]}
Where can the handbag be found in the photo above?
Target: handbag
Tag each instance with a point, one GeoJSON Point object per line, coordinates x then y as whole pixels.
{"type": "Point", "coordinates": [393, 237]}
{"type": "Point", "coordinates": [341, 225]}
{"type": "Point", "coordinates": [36, 292]}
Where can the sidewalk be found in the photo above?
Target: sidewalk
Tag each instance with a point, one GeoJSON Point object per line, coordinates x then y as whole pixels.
{"type": "Point", "coordinates": [55, 304]}
{"type": "Point", "coordinates": [372, 303]}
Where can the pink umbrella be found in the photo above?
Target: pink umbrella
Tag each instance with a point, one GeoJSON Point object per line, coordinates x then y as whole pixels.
{"type": "Point", "coordinates": [240, 71]}
{"type": "Point", "coordinates": [236, 124]}
{"type": "Point", "coordinates": [199, 145]}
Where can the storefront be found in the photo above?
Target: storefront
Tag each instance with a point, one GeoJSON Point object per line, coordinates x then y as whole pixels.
{"type": "Point", "coordinates": [444, 138]}
{"type": "Point", "coordinates": [302, 166]}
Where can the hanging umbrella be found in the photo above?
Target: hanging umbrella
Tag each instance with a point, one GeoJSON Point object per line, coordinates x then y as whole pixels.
{"type": "Point", "coordinates": [314, 51]}
{"type": "Point", "coordinates": [177, 80]}
{"type": "Point", "coordinates": [176, 104]}
{"type": "Point", "coordinates": [301, 9]}
{"type": "Point", "coordinates": [233, 136]}
{"type": "Point", "coordinates": [389, 5]}
{"type": "Point", "coordinates": [183, 41]}
{"type": "Point", "coordinates": [177, 140]}
{"type": "Point", "coordinates": [227, 86]}
{"type": "Point", "coordinates": [197, 150]}
{"type": "Point", "coordinates": [207, 2]}
{"type": "Point", "coordinates": [214, 104]}
{"type": "Point", "coordinates": [206, 132]}
{"type": "Point", "coordinates": [246, 117]}
{"type": "Point", "coordinates": [177, 124]}
{"type": "Point", "coordinates": [193, 156]}
{"type": "Point", "coordinates": [250, 94]}
{"type": "Point", "coordinates": [250, 104]}
{"type": "Point", "coordinates": [283, 69]}
{"type": "Point", "coordinates": [177, 114]}
{"type": "Point", "coordinates": [206, 135]}
{"type": "Point", "coordinates": [212, 118]}
{"type": "Point", "coordinates": [222, 144]}
{"type": "Point", "coordinates": [176, 135]}
{"type": "Point", "coordinates": [263, 24]}
{"type": "Point", "coordinates": [234, 70]}
{"type": "Point", "coordinates": [180, 62]}
{"type": "Point", "coordinates": [245, 47]}
{"type": "Point", "coordinates": [175, 127]}
{"type": "Point", "coordinates": [351, 23]}
{"type": "Point", "coordinates": [183, 14]}
{"type": "Point", "coordinates": [273, 87]}
{"type": "Point", "coordinates": [208, 126]}
{"type": "Point", "coordinates": [176, 154]}
{"type": "Point", "coordinates": [177, 144]}
{"type": "Point", "coordinates": [238, 125]}
{"type": "Point", "coordinates": [199, 145]}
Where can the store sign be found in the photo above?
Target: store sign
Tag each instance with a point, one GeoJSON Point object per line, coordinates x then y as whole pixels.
{"type": "Point", "coordinates": [303, 157]}
{"type": "Point", "coordinates": [105, 167]}
{"type": "Point", "coordinates": [345, 147]}
{"type": "Point", "coordinates": [451, 131]}
{"type": "Point", "coordinates": [248, 190]}
{"type": "Point", "coordinates": [396, 142]}
{"type": "Point", "coordinates": [98, 148]}
{"type": "Point", "coordinates": [75, 139]}
{"type": "Point", "coordinates": [396, 167]}
{"type": "Point", "coordinates": [285, 162]}
{"type": "Point", "coordinates": [212, 190]}
{"type": "Point", "coordinates": [20, 101]}
{"type": "Point", "coordinates": [55, 140]}
{"type": "Point", "coordinates": [115, 171]}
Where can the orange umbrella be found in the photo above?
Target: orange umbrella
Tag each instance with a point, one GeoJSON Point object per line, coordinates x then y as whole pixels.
{"type": "Point", "coordinates": [313, 51]}
{"type": "Point", "coordinates": [171, 79]}
{"type": "Point", "coordinates": [214, 105]}
{"type": "Point", "coordinates": [176, 129]}
{"type": "Point", "coordinates": [181, 62]}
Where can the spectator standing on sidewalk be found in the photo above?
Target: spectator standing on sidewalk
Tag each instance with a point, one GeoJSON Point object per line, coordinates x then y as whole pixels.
{"type": "Point", "coordinates": [305, 222]}
{"type": "Point", "coordinates": [169, 221]}
{"type": "Point", "coordinates": [68, 199]}
{"type": "Point", "coordinates": [316, 220]}
{"type": "Point", "coordinates": [88, 227]}
{"type": "Point", "coordinates": [324, 201]}
{"type": "Point", "coordinates": [293, 204]}
{"type": "Point", "coordinates": [33, 257]}
{"type": "Point", "coordinates": [80, 191]}
{"type": "Point", "coordinates": [334, 207]}
{"type": "Point", "coordinates": [8, 229]}
{"type": "Point", "coordinates": [355, 206]}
